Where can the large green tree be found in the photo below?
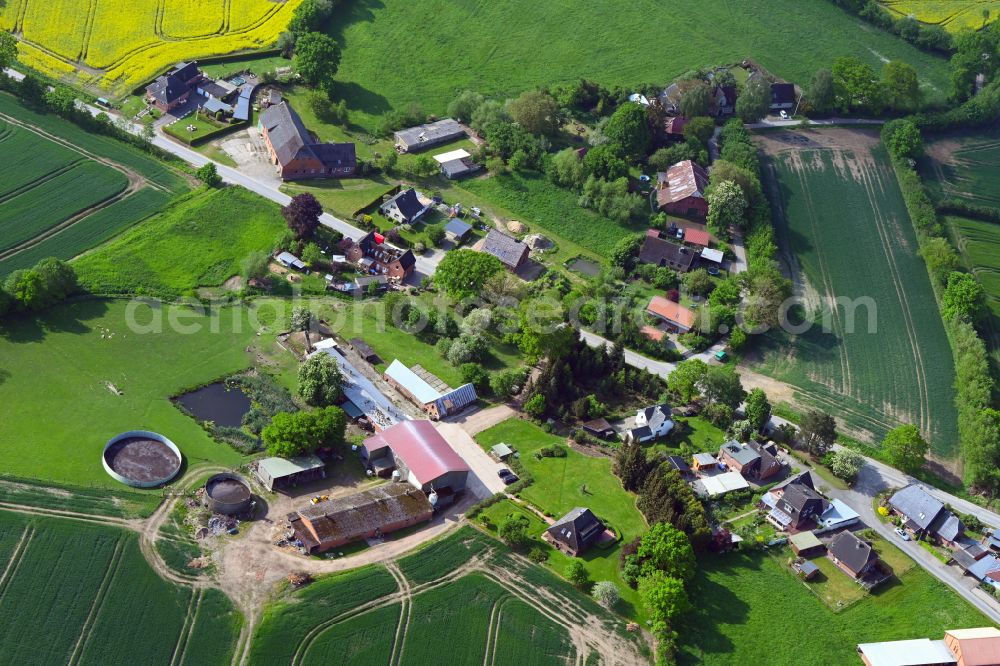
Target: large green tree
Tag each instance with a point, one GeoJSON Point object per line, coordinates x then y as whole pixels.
{"type": "Point", "coordinates": [902, 137]}
{"type": "Point", "coordinates": [901, 85]}
{"type": "Point", "coordinates": [8, 50]}
{"type": "Point", "coordinates": [536, 111]}
{"type": "Point", "coordinates": [758, 409]}
{"type": "Point", "coordinates": [727, 208]}
{"type": "Point", "coordinates": [462, 273]}
{"type": "Point", "coordinates": [317, 59]}
{"type": "Point", "coordinates": [320, 380]}
{"type": "Point", "coordinates": [665, 598]}
{"type": "Point", "coordinates": [665, 548]}
{"type": "Point", "coordinates": [755, 100]}
{"type": "Point", "coordinates": [628, 129]}
{"type": "Point", "coordinates": [964, 297]}
{"type": "Point", "coordinates": [302, 215]}
{"type": "Point", "coordinates": [820, 93]}
{"type": "Point", "coordinates": [293, 434]}
{"type": "Point", "coordinates": [683, 382]}
{"type": "Point", "coordinates": [722, 385]}
{"type": "Point", "coordinates": [696, 100]}
{"type": "Point", "coordinates": [818, 432]}
{"type": "Point", "coordinates": [905, 449]}
{"type": "Point", "coordinates": [856, 85]}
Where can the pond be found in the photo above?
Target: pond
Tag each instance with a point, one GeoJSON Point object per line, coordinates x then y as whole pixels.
{"type": "Point", "coordinates": [585, 267]}
{"type": "Point", "coordinates": [217, 403]}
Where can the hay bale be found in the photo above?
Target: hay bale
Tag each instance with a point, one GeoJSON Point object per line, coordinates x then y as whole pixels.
{"type": "Point", "coordinates": [516, 227]}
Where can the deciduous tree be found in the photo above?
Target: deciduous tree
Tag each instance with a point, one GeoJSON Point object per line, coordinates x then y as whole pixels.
{"type": "Point", "coordinates": [758, 409]}
{"type": "Point", "coordinates": [320, 380]}
{"type": "Point", "coordinates": [628, 130]}
{"type": "Point", "coordinates": [302, 215]}
{"type": "Point", "coordinates": [684, 381]}
{"type": "Point", "coordinates": [292, 434]}
{"type": "Point", "coordinates": [536, 111]}
{"type": "Point", "coordinates": [964, 297]}
{"type": "Point", "coordinates": [722, 385]}
{"type": "Point", "coordinates": [905, 449]}
{"type": "Point", "coordinates": [665, 548]}
{"type": "Point", "coordinates": [820, 92]}
{"type": "Point", "coordinates": [462, 273]}
{"type": "Point", "coordinates": [696, 100]}
{"type": "Point", "coordinates": [818, 432]}
{"type": "Point", "coordinates": [902, 88]}
{"type": "Point", "coordinates": [755, 100]}
{"type": "Point", "coordinates": [726, 208]}
{"type": "Point", "coordinates": [317, 58]}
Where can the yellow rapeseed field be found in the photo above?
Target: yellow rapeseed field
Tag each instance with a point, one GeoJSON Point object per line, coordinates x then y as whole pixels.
{"type": "Point", "coordinates": [954, 15]}
{"type": "Point", "coordinates": [120, 44]}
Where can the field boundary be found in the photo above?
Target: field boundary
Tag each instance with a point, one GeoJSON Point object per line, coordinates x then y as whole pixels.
{"type": "Point", "coordinates": [15, 558]}
{"type": "Point", "coordinates": [190, 618]}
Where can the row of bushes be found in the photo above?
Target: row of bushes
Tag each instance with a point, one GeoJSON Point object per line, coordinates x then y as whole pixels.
{"type": "Point", "coordinates": [979, 111]}
{"type": "Point", "coordinates": [966, 209]}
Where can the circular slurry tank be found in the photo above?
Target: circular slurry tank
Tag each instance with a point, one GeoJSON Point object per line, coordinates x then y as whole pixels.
{"type": "Point", "coordinates": [227, 493]}
{"type": "Point", "coordinates": [141, 458]}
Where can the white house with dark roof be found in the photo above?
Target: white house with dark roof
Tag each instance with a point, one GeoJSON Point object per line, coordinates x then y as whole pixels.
{"type": "Point", "coordinates": [651, 423]}
{"type": "Point", "coordinates": [405, 207]}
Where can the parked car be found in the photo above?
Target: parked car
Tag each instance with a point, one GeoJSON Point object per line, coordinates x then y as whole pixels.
{"type": "Point", "coordinates": [510, 478]}
{"type": "Point", "coordinates": [902, 534]}
{"type": "Point", "coordinates": [502, 472]}
{"type": "Point", "coordinates": [784, 115]}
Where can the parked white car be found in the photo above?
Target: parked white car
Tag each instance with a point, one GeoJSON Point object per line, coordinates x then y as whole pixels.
{"type": "Point", "coordinates": [902, 534]}
{"type": "Point", "coordinates": [784, 115]}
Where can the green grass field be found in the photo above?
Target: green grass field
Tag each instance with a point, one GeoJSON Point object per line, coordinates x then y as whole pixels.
{"type": "Point", "coordinates": [83, 593]}
{"type": "Point", "coordinates": [576, 480]}
{"type": "Point", "coordinates": [56, 370]}
{"type": "Point", "coordinates": [750, 609]}
{"type": "Point", "coordinates": [353, 618]}
{"type": "Point", "coordinates": [964, 165]}
{"type": "Point", "coordinates": [60, 195]}
{"type": "Point", "coordinates": [839, 211]}
{"type": "Point", "coordinates": [198, 242]}
{"type": "Point", "coordinates": [504, 48]}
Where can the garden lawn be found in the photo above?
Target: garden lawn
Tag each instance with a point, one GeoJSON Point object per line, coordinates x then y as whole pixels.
{"type": "Point", "coordinates": [352, 319]}
{"type": "Point", "coordinates": [559, 487]}
{"type": "Point", "coordinates": [738, 598]}
{"type": "Point", "coordinates": [879, 356]}
{"type": "Point", "coordinates": [55, 383]}
{"type": "Point", "coordinates": [508, 47]}
{"type": "Point", "coordinates": [552, 211]}
{"type": "Point", "coordinates": [198, 242]}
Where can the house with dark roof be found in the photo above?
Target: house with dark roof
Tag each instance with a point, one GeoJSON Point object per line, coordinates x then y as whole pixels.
{"type": "Point", "coordinates": [739, 458]}
{"type": "Point", "coordinates": [680, 190]}
{"type": "Point", "coordinates": [770, 464]}
{"type": "Point", "coordinates": [425, 136]}
{"type": "Point", "coordinates": [782, 97]}
{"type": "Point", "coordinates": [575, 532]}
{"type": "Point", "coordinates": [372, 254]}
{"type": "Point", "coordinates": [364, 515]}
{"type": "Point", "coordinates": [651, 423]}
{"type": "Point", "coordinates": [924, 515]}
{"type": "Point", "coordinates": [798, 508]}
{"type": "Point", "coordinates": [422, 457]}
{"type": "Point", "coordinates": [852, 555]}
{"type": "Point", "coordinates": [459, 168]}
{"type": "Point", "coordinates": [457, 231]}
{"type": "Point", "coordinates": [661, 252]}
{"type": "Point", "coordinates": [511, 252]}
{"type": "Point", "coordinates": [673, 128]}
{"type": "Point", "coordinates": [598, 428]}
{"type": "Point", "coordinates": [405, 207]}
{"type": "Point", "coordinates": [174, 88]}
{"type": "Point", "coordinates": [296, 154]}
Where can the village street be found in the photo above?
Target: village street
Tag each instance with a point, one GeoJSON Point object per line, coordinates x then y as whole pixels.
{"type": "Point", "coordinates": [874, 478]}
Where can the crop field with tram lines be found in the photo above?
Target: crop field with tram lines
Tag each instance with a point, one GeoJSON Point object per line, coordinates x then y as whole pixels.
{"type": "Point", "coordinates": [844, 231]}
{"type": "Point", "coordinates": [63, 191]}
{"type": "Point", "coordinates": [76, 592]}
{"type": "Point", "coordinates": [485, 604]}
{"type": "Point", "coordinates": [119, 44]}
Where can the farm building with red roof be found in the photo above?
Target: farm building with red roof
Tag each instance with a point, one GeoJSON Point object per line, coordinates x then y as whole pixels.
{"type": "Point", "coordinates": [681, 190]}
{"type": "Point", "coordinates": [421, 455]}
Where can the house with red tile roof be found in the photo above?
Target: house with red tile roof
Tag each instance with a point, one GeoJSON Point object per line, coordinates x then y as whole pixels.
{"type": "Point", "coordinates": [674, 314]}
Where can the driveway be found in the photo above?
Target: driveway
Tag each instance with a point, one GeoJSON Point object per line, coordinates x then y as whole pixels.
{"type": "Point", "coordinates": [474, 422]}
{"type": "Point", "coordinates": [246, 147]}
{"type": "Point", "coordinates": [483, 481]}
